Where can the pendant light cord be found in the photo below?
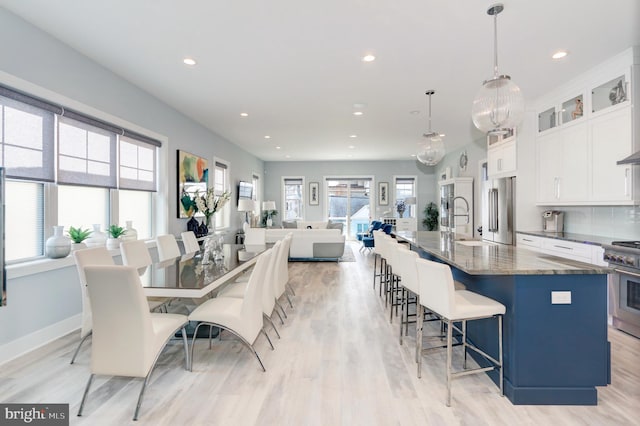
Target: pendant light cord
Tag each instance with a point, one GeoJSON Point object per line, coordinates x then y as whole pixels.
{"type": "Point", "coordinates": [495, 45]}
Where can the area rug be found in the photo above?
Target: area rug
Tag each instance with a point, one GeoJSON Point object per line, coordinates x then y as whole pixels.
{"type": "Point", "coordinates": [348, 255]}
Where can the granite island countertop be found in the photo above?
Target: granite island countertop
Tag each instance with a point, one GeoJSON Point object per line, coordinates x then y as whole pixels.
{"type": "Point", "coordinates": [494, 259]}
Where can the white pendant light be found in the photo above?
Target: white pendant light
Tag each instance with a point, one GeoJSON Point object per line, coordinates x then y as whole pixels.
{"type": "Point", "coordinates": [432, 149]}
{"type": "Point", "coordinates": [498, 105]}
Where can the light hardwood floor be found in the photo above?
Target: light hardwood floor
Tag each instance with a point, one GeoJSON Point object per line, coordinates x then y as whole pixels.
{"type": "Point", "coordinates": [338, 363]}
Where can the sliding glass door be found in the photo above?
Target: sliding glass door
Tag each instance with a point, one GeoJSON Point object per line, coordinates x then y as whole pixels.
{"type": "Point", "coordinates": [349, 202]}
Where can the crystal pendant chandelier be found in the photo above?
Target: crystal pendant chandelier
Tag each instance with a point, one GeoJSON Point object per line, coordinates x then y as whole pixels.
{"type": "Point", "coordinates": [498, 105]}
{"type": "Point", "coordinates": [432, 149]}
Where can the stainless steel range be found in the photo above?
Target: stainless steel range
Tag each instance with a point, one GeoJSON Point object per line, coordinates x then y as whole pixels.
{"type": "Point", "coordinates": [624, 285]}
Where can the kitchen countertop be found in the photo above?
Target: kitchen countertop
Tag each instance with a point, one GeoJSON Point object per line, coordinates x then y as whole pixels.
{"type": "Point", "coordinates": [494, 259]}
{"type": "Point", "coordinates": [569, 236]}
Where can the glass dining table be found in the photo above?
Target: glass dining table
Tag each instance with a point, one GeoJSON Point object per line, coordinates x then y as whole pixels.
{"type": "Point", "coordinates": [196, 275]}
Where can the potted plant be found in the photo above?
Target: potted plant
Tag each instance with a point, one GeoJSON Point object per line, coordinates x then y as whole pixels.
{"type": "Point", "coordinates": [77, 236]}
{"type": "Point", "coordinates": [115, 232]}
{"type": "Point", "coordinates": [431, 214]}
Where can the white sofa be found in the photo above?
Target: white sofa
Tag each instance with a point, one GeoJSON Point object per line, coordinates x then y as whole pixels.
{"type": "Point", "coordinates": [310, 244]}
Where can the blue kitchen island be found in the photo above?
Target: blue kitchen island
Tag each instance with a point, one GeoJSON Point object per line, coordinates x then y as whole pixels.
{"type": "Point", "coordinates": [555, 344]}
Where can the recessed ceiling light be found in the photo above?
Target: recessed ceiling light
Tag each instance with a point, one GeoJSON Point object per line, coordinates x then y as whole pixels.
{"type": "Point", "coordinates": [353, 136]}
{"type": "Point", "coordinates": [267, 137]}
{"type": "Point", "coordinates": [351, 147]}
{"type": "Point", "coordinates": [413, 155]}
{"type": "Point", "coordinates": [560, 54]}
{"type": "Point", "coordinates": [442, 135]}
{"type": "Point", "coordinates": [244, 114]}
{"type": "Point", "coordinates": [287, 156]}
{"type": "Point", "coordinates": [368, 58]}
{"type": "Point", "coordinates": [277, 147]}
{"type": "Point", "coordinates": [414, 112]}
{"type": "Point", "coordinates": [189, 61]}
{"type": "Point", "coordinates": [358, 113]}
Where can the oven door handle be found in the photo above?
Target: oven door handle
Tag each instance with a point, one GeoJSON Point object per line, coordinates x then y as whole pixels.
{"type": "Point", "coordinates": [620, 271]}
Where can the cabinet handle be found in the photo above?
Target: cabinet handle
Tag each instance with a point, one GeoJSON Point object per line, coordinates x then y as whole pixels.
{"type": "Point", "coordinates": [524, 239]}
{"type": "Point", "coordinates": [557, 187]}
{"type": "Point", "coordinates": [563, 247]}
{"type": "Point", "coordinates": [499, 164]}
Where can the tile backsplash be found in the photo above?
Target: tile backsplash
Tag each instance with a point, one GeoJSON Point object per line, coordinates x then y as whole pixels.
{"type": "Point", "coordinates": [616, 222]}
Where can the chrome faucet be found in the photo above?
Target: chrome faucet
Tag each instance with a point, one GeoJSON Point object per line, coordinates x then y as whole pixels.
{"type": "Point", "coordinates": [454, 207]}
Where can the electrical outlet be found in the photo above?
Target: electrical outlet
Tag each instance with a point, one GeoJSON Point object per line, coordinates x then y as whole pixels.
{"type": "Point", "coordinates": [560, 297]}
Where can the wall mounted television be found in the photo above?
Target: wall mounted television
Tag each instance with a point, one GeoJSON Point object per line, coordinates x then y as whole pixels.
{"type": "Point", "coordinates": [245, 190]}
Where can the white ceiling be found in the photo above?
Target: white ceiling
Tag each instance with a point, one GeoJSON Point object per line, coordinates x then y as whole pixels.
{"type": "Point", "coordinates": [295, 66]}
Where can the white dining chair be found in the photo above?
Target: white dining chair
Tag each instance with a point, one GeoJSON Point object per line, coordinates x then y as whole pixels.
{"type": "Point", "coordinates": [241, 317]}
{"type": "Point", "coordinates": [238, 289]}
{"type": "Point", "coordinates": [282, 272]}
{"type": "Point", "coordinates": [167, 247]}
{"type": "Point", "coordinates": [91, 256]}
{"type": "Point", "coordinates": [127, 338]}
{"type": "Point", "coordinates": [135, 253]}
{"type": "Point", "coordinates": [190, 242]}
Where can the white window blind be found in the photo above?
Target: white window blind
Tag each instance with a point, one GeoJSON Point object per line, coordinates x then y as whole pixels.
{"type": "Point", "coordinates": [86, 154]}
{"type": "Point", "coordinates": [137, 162]}
{"type": "Point", "coordinates": [26, 141]}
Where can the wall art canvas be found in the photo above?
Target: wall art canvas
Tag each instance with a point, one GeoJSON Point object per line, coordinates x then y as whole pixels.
{"type": "Point", "coordinates": [383, 193]}
{"type": "Point", "coordinates": [193, 176]}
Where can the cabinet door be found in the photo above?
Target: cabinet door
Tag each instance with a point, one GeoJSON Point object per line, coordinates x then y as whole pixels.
{"type": "Point", "coordinates": [548, 167]}
{"type": "Point", "coordinates": [501, 160]}
{"type": "Point", "coordinates": [611, 141]}
{"type": "Point", "coordinates": [573, 185]}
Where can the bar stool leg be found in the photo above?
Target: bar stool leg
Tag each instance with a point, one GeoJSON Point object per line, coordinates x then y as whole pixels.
{"type": "Point", "coordinates": [449, 356]}
{"type": "Point", "coordinates": [419, 317]}
{"type": "Point", "coordinates": [500, 355]}
{"type": "Point", "coordinates": [464, 343]}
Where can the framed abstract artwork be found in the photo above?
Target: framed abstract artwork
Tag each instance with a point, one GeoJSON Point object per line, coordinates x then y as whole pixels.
{"type": "Point", "coordinates": [314, 193]}
{"type": "Point", "coordinates": [193, 176]}
{"type": "Point", "coordinates": [383, 193]}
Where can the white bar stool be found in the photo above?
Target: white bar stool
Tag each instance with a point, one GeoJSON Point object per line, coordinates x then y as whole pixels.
{"type": "Point", "coordinates": [437, 293]}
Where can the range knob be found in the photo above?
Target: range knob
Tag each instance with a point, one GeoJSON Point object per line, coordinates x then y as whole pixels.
{"type": "Point", "coordinates": [607, 256]}
{"type": "Point", "coordinates": [620, 259]}
{"type": "Point", "coordinates": [629, 261]}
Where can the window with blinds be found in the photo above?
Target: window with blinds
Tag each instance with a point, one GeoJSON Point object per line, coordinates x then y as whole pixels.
{"type": "Point", "coordinates": [293, 198]}
{"type": "Point", "coordinates": [220, 185]}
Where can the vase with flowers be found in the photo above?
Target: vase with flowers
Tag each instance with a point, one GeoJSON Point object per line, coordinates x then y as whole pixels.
{"type": "Point", "coordinates": [401, 206]}
{"type": "Point", "coordinates": [208, 204]}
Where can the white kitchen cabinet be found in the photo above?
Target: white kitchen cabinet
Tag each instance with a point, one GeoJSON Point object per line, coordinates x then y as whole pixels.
{"type": "Point", "coordinates": [561, 165]}
{"type": "Point", "coordinates": [611, 140]}
{"type": "Point", "coordinates": [588, 253]}
{"type": "Point", "coordinates": [501, 156]}
{"type": "Point", "coordinates": [577, 150]}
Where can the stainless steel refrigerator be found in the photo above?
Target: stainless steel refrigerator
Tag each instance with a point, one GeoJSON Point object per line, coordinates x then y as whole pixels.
{"type": "Point", "coordinates": [498, 210]}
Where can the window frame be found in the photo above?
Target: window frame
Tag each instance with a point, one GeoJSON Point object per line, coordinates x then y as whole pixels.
{"type": "Point", "coordinates": [284, 197]}
{"type": "Point", "coordinates": [224, 215]}
{"type": "Point", "coordinates": [414, 178]}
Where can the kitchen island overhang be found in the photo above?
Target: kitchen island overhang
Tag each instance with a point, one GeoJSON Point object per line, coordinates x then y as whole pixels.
{"type": "Point", "coordinates": [555, 343]}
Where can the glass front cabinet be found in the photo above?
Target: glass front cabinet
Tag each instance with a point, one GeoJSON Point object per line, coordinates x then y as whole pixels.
{"type": "Point", "coordinates": [567, 110]}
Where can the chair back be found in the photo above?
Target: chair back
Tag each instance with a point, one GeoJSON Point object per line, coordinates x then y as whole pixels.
{"type": "Point", "coordinates": [190, 242]}
{"type": "Point", "coordinates": [437, 290]}
{"type": "Point", "coordinates": [135, 253]}
{"type": "Point", "coordinates": [387, 227]}
{"type": "Point", "coordinates": [405, 266]}
{"type": "Point", "coordinates": [375, 225]}
{"type": "Point", "coordinates": [269, 281]}
{"type": "Point", "coordinates": [255, 237]}
{"type": "Point", "coordinates": [377, 236]}
{"type": "Point", "coordinates": [91, 256]}
{"type": "Point", "coordinates": [282, 265]}
{"type": "Point", "coordinates": [123, 337]}
{"type": "Point", "coordinates": [252, 308]}
{"type": "Point", "coordinates": [167, 247]}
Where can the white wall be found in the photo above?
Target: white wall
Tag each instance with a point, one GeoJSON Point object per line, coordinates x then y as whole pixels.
{"type": "Point", "coordinates": [43, 306]}
{"type": "Point", "coordinates": [382, 171]}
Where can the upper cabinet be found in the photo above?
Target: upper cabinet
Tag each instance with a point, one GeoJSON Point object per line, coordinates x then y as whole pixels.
{"type": "Point", "coordinates": [584, 129]}
{"type": "Point", "coordinates": [561, 112]}
{"type": "Point", "coordinates": [501, 154]}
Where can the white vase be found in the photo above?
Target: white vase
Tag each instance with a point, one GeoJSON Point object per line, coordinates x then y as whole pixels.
{"type": "Point", "coordinates": [58, 245]}
{"type": "Point", "coordinates": [113, 243]}
{"type": "Point", "coordinates": [78, 246]}
{"type": "Point", "coordinates": [130, 233]}
{"type": "Point", "coordinates": [97, 238]}
{"type": "Point", "coordinates": [269, 223]}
